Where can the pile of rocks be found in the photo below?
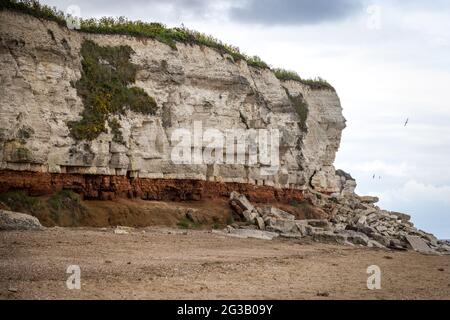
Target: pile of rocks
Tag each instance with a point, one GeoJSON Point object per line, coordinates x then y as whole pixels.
{"type": "Point", "coordinates": [353, 220]}
{"type": "Point", "coordinates": [390, 229]}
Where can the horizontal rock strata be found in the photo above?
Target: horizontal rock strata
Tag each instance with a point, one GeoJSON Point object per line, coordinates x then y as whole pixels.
{"type": "Point", "coordinates": [110, 187]}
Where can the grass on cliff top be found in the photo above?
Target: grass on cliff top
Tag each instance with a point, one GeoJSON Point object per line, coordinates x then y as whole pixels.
{"type": "Point", "coordinates": [104, 87]}
{"type": "Point", "coordinates": [317, 84]}
{"type": "Point", "coordinates": [157, 31]}
{"type": "Point", "coordinates": [123, 26]}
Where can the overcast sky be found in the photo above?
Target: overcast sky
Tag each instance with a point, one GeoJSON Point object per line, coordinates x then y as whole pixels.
{"type": "Point", "coordinates": [388, 60]}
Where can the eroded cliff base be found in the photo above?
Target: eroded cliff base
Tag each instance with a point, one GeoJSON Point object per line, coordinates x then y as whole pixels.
{"type": "Point", "coordinates": [73, 200]}
{"type": "Point", "coordinates": [98, 187]}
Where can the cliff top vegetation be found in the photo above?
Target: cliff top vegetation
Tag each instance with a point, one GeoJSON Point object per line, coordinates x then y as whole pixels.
{"type": "Point", "coordinates": [153, 30]}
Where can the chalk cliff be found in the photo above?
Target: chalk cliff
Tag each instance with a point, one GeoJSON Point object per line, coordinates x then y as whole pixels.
{"type": "Point", "coordinates": [41, 62]}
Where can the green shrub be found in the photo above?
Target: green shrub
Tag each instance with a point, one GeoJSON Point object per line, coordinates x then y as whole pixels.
{"type": "Point", "coordinates": [65, 199]}
{"type": "Point", "coordinates": [34, 8]}
{"type": "Point", "coordinates": [66, 204]}
{"type": "Point", "coordinates": [301, 107]}
{"type": "Point", "coordinates": [20, 201]}
{"type": "Point", "coordinates": [257, 62]}
{"type": "Point", "coordinates": [115, 130]}
{"type": "Point", "coordinates": [315, 84]}
{"type": "Point", "coordinates": [230, 220]}
{"type": "Point", "coordinates": [284, 75]}
{"type": "Point", "coordinates": [22, 154]}
{"type": "Point", "coordinates": [185, 223]}
{"type": "Point", "coordinates": [25, 133]}
{"type": "Point", "coordinates": [104, 88]}
{"type": "Point", "coordinates": [318, 84]}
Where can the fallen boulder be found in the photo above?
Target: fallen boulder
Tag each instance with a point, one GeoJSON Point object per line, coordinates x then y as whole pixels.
{"type": "Point", "coordinates": [369, 199]}
{"type": "Point", "coordinates": [357, 238]}
{"type": "Point", "coordinates": [329, 236]}
{"type": "Point", "coordinates": [419, 245]}
{"type": "Point", "coordinates": [324, 224]}
{"type": "Point", "coordinates": [250, 216]}
{"type": "Point", "coordinates": [18, 221]}
{"type": "Point", "coordinates": [241, 201]}
{"type": "Point", "coordinates": [260, 223]}
{"type": "Point", "coordinates": [276, 213]}
{"type": "Point", "coordinates": [280, 225]}
{"type": "Point", "coordinates": [402, 216]}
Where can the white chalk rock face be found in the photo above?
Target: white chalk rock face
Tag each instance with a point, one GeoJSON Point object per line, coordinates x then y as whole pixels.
{"type": "Point", "coordinates": [40, 62]}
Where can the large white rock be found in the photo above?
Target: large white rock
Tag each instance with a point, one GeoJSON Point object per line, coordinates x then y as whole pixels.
{"type": "Point", "coordinates": [18, 221]}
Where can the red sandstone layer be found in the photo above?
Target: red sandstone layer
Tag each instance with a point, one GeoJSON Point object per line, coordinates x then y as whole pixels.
{"type": "Point", "coordinates": [109, 187]}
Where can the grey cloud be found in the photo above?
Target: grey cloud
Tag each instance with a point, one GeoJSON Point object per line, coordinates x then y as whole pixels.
{"type": "Point", "coordinates": [294, 12]}
{"type": "Point", "coordinates": [267, 12]}
{"type": "Point", "coordinates": [136, 9]}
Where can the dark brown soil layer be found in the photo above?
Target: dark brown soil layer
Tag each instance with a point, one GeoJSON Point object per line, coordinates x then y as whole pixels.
{"type": "Point", "coordinates": [100, 187]}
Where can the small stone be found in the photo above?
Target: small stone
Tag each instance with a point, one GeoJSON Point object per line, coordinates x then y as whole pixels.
{"type": "Point", "coordinates": [375, 244]}
{"type": "Point", "coordinates": [396, 245]}
{"type": "Point", "coordinates": [13, 289]}
{"type": "Point", "coordinates": [369, 199]}
{"type": "Point", "coordinates": [301, 227]}
{"type": "Point", "coordinates": [260, 223]}
{"type": "Point", "coordinates": [381, 228]}
{"type": "Point", "coordinates": [120, 231]}
{"type": "Point", "coordinates": [323, 294]}
{"type": "Point", "coordinates": [362, 221]}
{"type": "Point", "coordinates": [229, 228]}
{"type": "Point", "coordinates": [324, 224]}
{"type": "Point", "coordinates": [190, 215]}
{"type": "Point", "coordinates": [403, 217]}
{"type": "Point", "coordinates": [250, 216]}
